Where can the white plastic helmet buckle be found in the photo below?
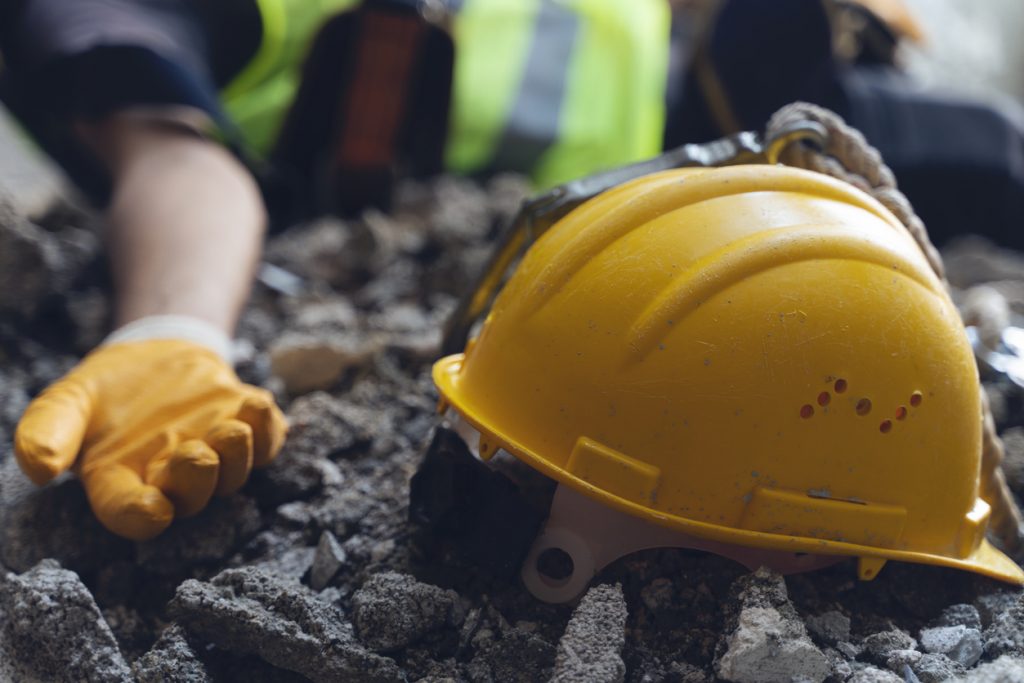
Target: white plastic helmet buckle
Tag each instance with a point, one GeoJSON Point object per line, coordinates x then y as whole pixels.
{"type": "Point", "coordinates": [594, 535]}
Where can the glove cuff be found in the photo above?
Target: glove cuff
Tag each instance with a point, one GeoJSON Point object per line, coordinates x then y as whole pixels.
{"type": "Point", "coordinates": [181, 327]}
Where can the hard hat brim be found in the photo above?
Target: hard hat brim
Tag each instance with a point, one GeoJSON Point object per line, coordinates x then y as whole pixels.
{"type": "Point", "coordinates": [986, 559]}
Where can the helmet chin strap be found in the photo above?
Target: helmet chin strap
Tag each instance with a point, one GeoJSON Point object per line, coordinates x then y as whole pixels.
{"type": "Point", "coordinates": [593, 536]}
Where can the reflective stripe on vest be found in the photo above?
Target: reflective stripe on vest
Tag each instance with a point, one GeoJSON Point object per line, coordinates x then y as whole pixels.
{"type": "Point", "coordinates": [558, 88]}
{"type": "Point", "coordinates": [554, 88]}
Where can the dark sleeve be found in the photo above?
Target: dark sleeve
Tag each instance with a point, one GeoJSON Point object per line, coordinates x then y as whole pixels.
{"type": "Point", "coordinates": [82, 60]}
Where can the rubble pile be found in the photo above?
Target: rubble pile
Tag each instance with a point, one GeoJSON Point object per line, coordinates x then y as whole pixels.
{"type": "Point", "coordinates": [312, 571]}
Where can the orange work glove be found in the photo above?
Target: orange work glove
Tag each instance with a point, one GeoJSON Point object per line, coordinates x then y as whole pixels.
{"type": "Point", "coordinates": [153, 429]}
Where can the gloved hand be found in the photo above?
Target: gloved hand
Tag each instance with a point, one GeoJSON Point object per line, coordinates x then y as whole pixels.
{"type": "Point", "coordinates": [153, 429]}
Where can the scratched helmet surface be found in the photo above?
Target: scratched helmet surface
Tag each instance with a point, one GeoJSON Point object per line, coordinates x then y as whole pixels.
{"type": "Point", "coordinates": [754, 355]}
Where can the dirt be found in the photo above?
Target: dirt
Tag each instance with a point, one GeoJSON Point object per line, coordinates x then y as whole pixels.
{"type": "Point", "coordinates": [313, 571]}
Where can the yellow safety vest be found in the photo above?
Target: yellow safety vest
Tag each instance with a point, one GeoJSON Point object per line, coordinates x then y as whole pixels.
{"type": "Point", "coordinates": [555, 88]}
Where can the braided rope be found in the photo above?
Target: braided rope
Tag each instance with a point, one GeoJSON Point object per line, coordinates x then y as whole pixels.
{"type": "Point", "coordinates": [849, 157]}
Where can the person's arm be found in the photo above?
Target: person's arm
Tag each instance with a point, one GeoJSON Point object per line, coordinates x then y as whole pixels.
{"type": "Point", "coordinates": [155, 421]}
{"type": "Point", "coordinates": [185, 225]}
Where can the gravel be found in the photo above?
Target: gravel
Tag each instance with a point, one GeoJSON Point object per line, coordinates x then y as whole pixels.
{"type": "Point", "coordinates": [313, 572]}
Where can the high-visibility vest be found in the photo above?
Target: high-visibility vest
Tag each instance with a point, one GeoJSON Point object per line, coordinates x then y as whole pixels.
{"type": "Point", "coordinates": [554, 88]}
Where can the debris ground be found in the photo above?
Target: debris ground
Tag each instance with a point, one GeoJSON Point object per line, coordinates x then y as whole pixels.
{"type": "Point", "coordinates": [312, 571]}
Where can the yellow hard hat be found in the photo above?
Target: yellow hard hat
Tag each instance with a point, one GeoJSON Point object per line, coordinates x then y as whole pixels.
{"type": "Point", "coordinates": [755, 355]}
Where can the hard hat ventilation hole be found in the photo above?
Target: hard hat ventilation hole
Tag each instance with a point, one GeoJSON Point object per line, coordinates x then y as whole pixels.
{"type": "Point", "coordinates": [864, 406]}
{"type": "Point", "coordinates": [916, 398]}
{"type": "Point", "coordinates": [555, 566]}
{"type": "Point", "coordinates": [807, 411]}
{"type": "Point", "coordinates": [885, 427]}
{"type": "Point", "coordinates": [840, 386]}
{"type": "Point", "coordinates": [901, 413]}
{"type": "Point", "coordinates": [824, 398]}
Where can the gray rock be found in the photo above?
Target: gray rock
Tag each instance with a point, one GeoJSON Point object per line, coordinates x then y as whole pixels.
{"type": "Point", "coordinates": [878, 646]}
{"type": "Point", "coordinates": [170, 660]}
{"type": "Point", "coordinates": [322, 425]}
{"type": "Point", "coordinates": [960, 615]}
{"type": "Point", "coordinates": [51, 628]}
{"type": "Point", "coordinates": [250, 611]}
{"type": "Point", "coordinates": [829, 627]}
{"type": "Point", "coordinates": [591, 648]}
{"type": "Point", "coordinates": [1006, 669]}
{"type": "Point", "coordinates": [1005, 633]}
{"type": "Point", "coordinates": [308, 363]}
{"type": "Point", "coordinates": [54, 521]}
{"type": "Point", "coordinates": [959, 643]}
{"type": "Point", "coordinates": [210, 536]}
{"type": "Point", "coordinates": [292, 564]}
{"type": "Point", "coordinates": [329, 558]}
{"type": "Point", "coordinates": [870, 674]}
{"type": "Point", "coordinates": [764, 640]}
{"type": "Point", "coordinates": [898, 660]}
{"type": "Point", "coordinates": [392, 610]}
{"type": "Point", "coordinates": [933, 668]}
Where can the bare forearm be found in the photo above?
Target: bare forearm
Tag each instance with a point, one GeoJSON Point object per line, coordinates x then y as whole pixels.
{"type": "Point", "coordinates": [185, 225]}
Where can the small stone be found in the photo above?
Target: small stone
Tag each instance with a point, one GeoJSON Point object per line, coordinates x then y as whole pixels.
{"type": "Point", "coordinates": [899, 659]}
{"type": "Point", "coordinates": [870, 674]}
{"type": "Point", "coordinates": [591, 648]}
{"type": "Point", "coordinates": [960, 615]}
{"type": "Point", "coordinates": [293, 563]}
{"type": "Point", "coordinates": [250, 611]}
{"type": "Point", "coordinates": [933, 668]}
{"type": "Point", "coordinates": [170, 660]}
{"type": "Point", "coordinates": [765, 641]}
{"type": "Point", "coordinates": [878, 646]}
{"type": "Point", "coordinates": [829, 627]}
{"type": "Point", "coordinates": [393, 610]}
{"type": "Point", "coordinates": [51, 628]}
{"type": "Point", "coordinates": [959, 643]}
{"type": "Point", "coordinates": [329, 558]}
{"type": "Point", "coordinates": [849, 650]}
{"type": "Point", "coordinates": [307, 363]}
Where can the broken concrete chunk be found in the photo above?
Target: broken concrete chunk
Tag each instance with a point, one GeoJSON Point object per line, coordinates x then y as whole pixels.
{"type": "Point", "coordinates": [934, 668]}
{"type": "Point", "coordinates": [591, 648]}
{"type": "Point", "coordinates": [830, 627]}
{"type": "Point", "coordinates": [878, 646]}
{"type": "Point", "coordinates": [765, 639]}
{"type": "Point", "coordinates": [308, 363]}
{"type": "Point", "coordinates": [898, 660]}
{"type": "Point", "coordinates": [960, 615]}
{"type": "Point", "coordinates": [51, 628]}
{"type": "Point", "coordinates": [329, 558]}
{"type": "Point", "coordinates": [251, 611]}
{"type": "Point", "coordinates": [392, 610]}
{"type": "Point", "coordinates": [870, 674]}
{"type": "Point", "coordinates": [959, 643]}
{"type": "Point", "coordinates": [170, 660]}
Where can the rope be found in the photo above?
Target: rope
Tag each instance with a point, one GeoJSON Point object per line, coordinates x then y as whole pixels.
{"type": "Point", "coordinates": [848, 156]}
